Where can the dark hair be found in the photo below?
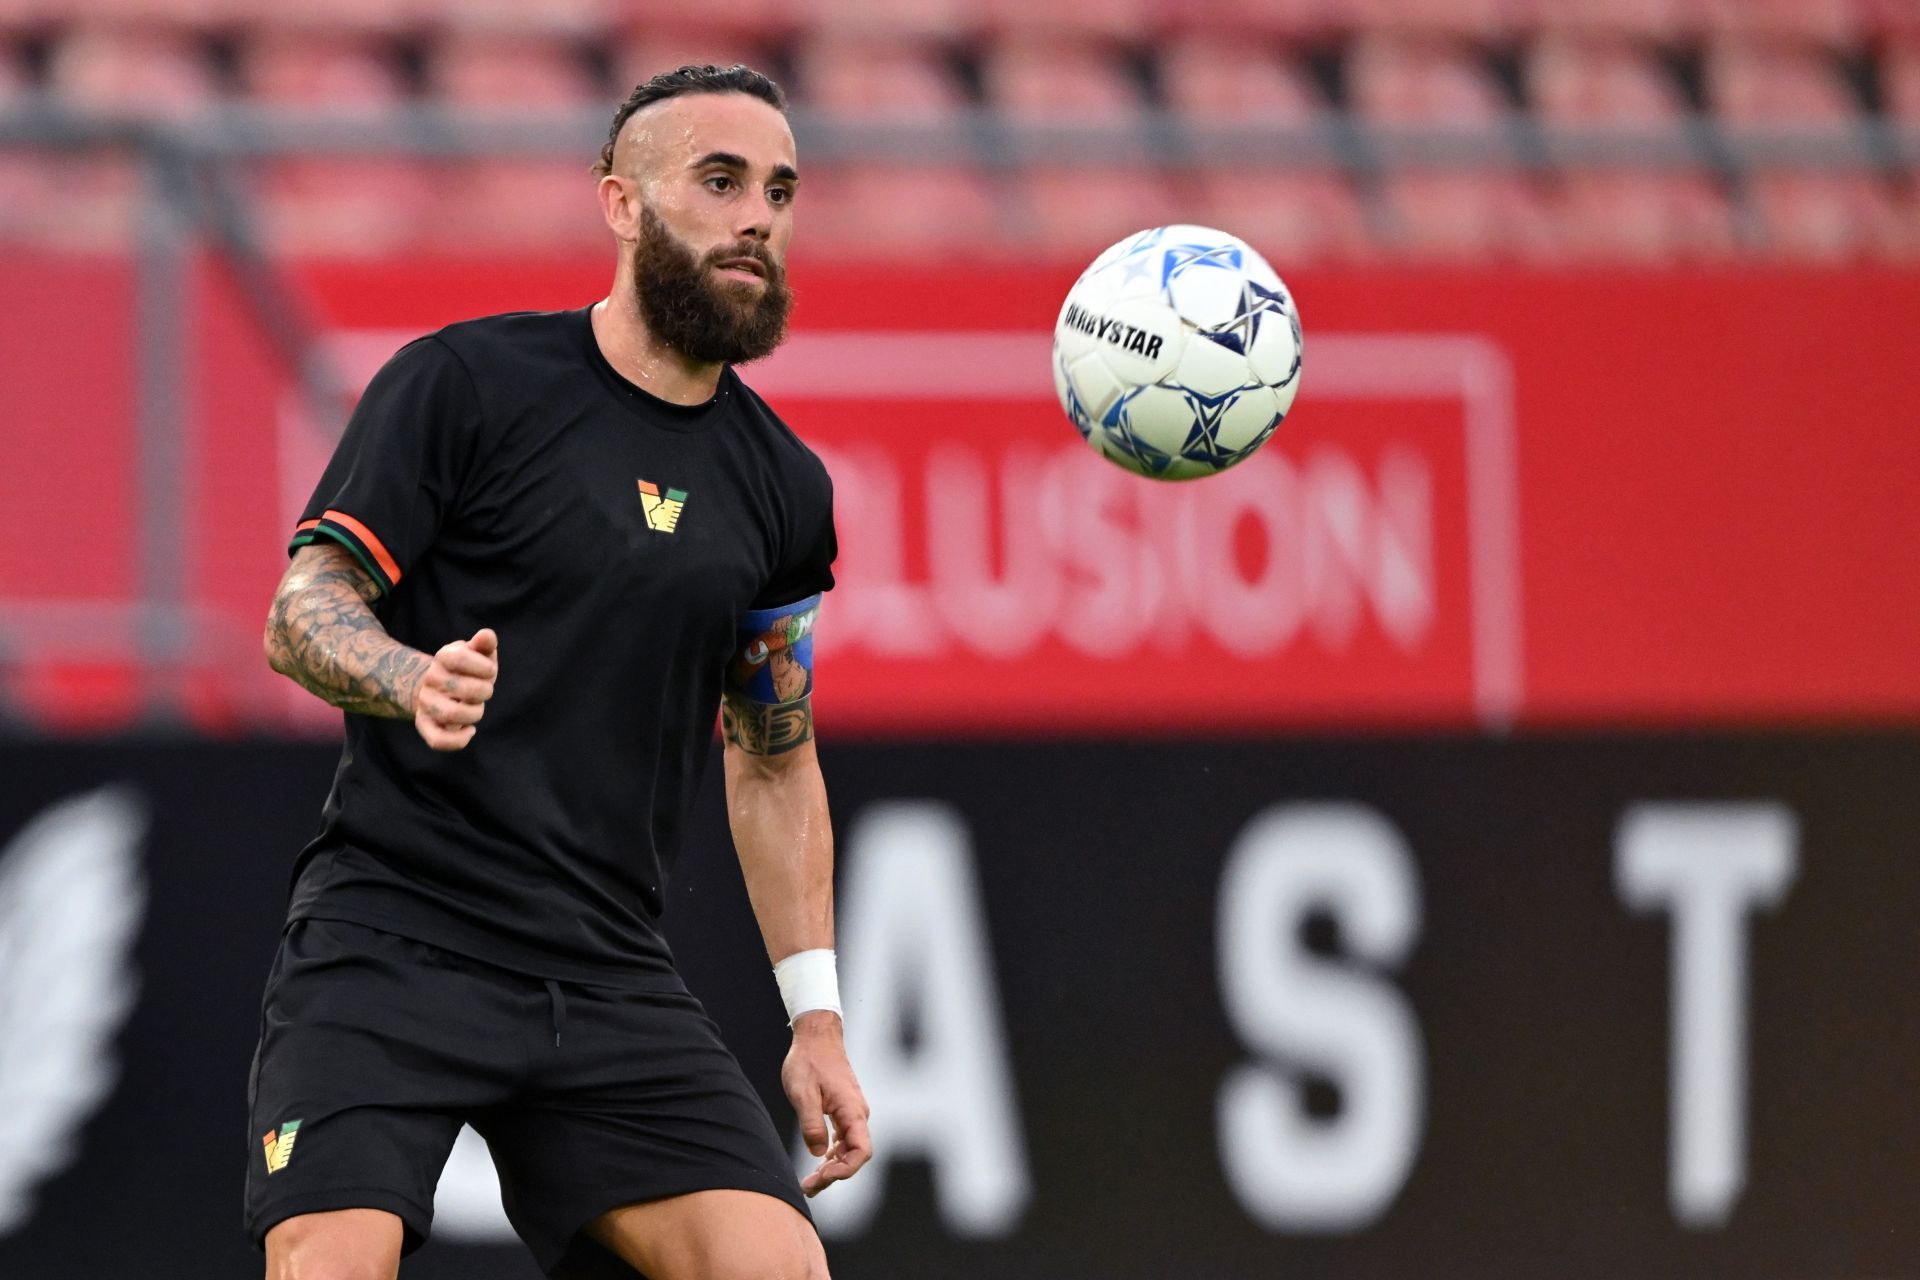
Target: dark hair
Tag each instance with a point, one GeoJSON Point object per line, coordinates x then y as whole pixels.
{"type": "Point", "coordinates": [704, 78]}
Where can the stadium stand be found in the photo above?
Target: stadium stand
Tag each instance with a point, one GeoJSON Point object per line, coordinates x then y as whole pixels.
{"type": "Point", "coordinates": [1624, 212]}
{"type": "Point", "coordinates": [1809, 215]}
{"type": "Point", "coordinates": [1307, 212]}
{"type": "Point", "coordinates": [1069, 85]}
{"type": "Point", "coordinates": [1411, 129]}
{"type": "Point", "coordinates": [949, 206]}
{"type": "Point", "coordinates": [1492, 211]}
{"type": "Point", "coordinates": [333, 204]}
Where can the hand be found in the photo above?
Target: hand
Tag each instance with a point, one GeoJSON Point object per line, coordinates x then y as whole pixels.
{"type": "Point", "coordinates": [452, 693]}
{"type": "Point", "coordinates": [819, 1082]}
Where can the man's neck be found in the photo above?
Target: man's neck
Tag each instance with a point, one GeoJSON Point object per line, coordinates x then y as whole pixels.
{"type": "Point", "coordinates": [644, 360]}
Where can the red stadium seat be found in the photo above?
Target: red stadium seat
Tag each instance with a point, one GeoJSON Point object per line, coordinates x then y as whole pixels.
{"type": "Point", "coordinates": [522, 205]}
{"type": "Point", "coordinates": [1805, 214]}
{"type": "Point", "coordinates": [1295, 19]}
{"type": "Point", "coordinates": [1776, 84]}
{"type": "Point", "coordinates": [1609, 213]}
{"type": "Point", "coordinates": [144, 72]}
{"type": "Point", "coordinates": [1900, 82]}
{"type": "Point", "coordinates": [641, 54]}
{"type": "Point", "coordinates": [854, 211]}
{"type": "Point", "coordinates": [1075, 213]}
{"type": "Point", "coordinates": [1660, 20]}
{"type": "Point", "coordinates": [1053, 82]}
{"type": "Point", "coordinates": [1215, 79]}
{"type": "Point", "coordinates": [350, 206]}
{"type": "Point", "coordinates": [1831, 219]}
{"type": "Point", "coordinates": [1472, 19]}
{"type": "Point", "coordinates": [344, 73]}
{"type": "Point", "coordinates": [15, 84]}
{"type": "Point", "coordinates": [1490, 211]}
{"type": "Point", "coordinates": [1112, 19]}
{"type": "Point", "coordinates": [512, 72]}
{"type": "Point", "coordinates": [82, 202]}
{"type": "Point", "coordinates": [555, 18]}
{"type": "Point", "coordinates": [1897, 18]}
{"type": "Point", "coordinates": [1291, 218]}
{"type": "Point", "coordinates": [1835, 24]}
{"type": "Point", "coordinates": [1422, 82]}
{"type": "Point", "coordinates": [1600, 82]}
{"type": "Point", "coordinates": [862, 79]}
{"type": "Point", "coordinates": [942, 19]}
{"type": "Point", "coordinates": [1638, 216]}
{"type": "Point", "coordinates": [1302, 214]}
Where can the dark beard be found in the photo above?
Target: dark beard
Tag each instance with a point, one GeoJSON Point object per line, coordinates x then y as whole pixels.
{"type": "Point", "coordinates": [698, 314]}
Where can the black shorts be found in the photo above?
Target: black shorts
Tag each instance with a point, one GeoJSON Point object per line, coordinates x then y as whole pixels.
{"type": "Point", "coordinates": [374, 1049]}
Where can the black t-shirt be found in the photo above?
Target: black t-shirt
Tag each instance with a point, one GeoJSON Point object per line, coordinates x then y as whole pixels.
{"type": "Point", "coordinates": [500, 473]}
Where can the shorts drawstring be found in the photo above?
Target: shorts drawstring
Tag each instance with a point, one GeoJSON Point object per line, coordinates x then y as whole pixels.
{"type": "Point", "coordinates": [558, 1003]}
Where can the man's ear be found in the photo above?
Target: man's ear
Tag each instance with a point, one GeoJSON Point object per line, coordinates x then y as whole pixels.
{"type": "Point", "coordinates": [620, 206]}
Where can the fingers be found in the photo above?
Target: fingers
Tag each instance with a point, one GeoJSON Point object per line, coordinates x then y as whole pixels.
{"type": "Point", "coordinates": [813, 1128]}
{"type": "Point", "coordinates": [454, 691]}
{"type": "Point", "coordinates": [462, 658]}
{"type": "Point", "coordinates": [852, 1145]}
{"type": "Point", "coordinates": [441, 738]}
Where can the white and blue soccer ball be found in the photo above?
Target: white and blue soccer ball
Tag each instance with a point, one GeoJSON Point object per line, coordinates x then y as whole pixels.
{"type": "Point", "coordinates": [1177, 353]}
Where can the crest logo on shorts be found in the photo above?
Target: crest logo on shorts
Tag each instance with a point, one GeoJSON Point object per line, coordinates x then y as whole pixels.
{"type": "Point", "coordinates": [280, 1146]}
{"type": "Point", "coordinates": [662, 509]}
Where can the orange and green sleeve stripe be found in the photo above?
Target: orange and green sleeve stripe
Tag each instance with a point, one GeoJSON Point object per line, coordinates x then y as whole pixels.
{"type": "Point", "coordinates": [355, 537]}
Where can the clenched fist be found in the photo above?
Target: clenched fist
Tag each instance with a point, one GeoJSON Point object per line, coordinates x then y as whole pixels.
{"type": "Point", "coordinates": [453, 691]}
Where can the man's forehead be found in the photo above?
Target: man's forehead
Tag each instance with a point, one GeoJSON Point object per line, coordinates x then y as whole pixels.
{"type": "Point", "coordinates": [680, 130]}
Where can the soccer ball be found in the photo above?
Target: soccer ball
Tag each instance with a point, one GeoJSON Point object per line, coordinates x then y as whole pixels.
{"type": "Point", "coordinates": [1177, 352]}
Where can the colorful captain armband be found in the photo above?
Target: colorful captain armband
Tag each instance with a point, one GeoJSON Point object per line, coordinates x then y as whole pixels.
{"type": "Point", "coordinates": [773, 662]}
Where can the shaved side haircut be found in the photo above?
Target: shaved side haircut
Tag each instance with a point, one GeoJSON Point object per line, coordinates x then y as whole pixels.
{"type": "Point", "coordinates": [705, 78]}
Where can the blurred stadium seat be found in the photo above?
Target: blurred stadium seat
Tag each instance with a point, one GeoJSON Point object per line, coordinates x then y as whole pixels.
{"type": "Point", "coordinates": [1616, 210]}
{"type": "Point", "coordinates": [1308, 212]}
{"type": "Point", "coordinates": [336, 205]}
{"type": "Point", "coordinates": [1468, 19]}
{"type": "Point", "coordinates": [644, 52]}
{"type": "Point", "coordinates": [1900, 82]}
{"type": "Point", "coordinates": [1803, 214]}
{"type": "Point", "coordinates": [1653, 20]}
{"type": "Point", "coordinates": [1116, 20]}
{"type": "Point", "coordinates": [853, 78]}
{"type": "Point", "coordinates": [493, 71]}
{"type": "Point", "coordinates": [1487, 210]}
{"type": "Point", "coordinates": [1078, 85]}
{"type": "Point", "coordinates": [144, 71]}
{"type": "Point", "coordinates": [535, 203]}
{"type": "Point", "coordinates": [901, 204]}
{"type": "Point", "coordinates": [1293, 19]}
{"type": "Point", "coordinates": [1833, 24]}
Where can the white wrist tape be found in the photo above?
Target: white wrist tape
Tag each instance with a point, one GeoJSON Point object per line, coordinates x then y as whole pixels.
{"type": "Point", "coordinates": [808, 981]}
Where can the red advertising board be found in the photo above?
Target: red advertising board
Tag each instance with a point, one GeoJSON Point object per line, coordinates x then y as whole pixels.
{"type": "Point", "coordinates": [1502, 497]}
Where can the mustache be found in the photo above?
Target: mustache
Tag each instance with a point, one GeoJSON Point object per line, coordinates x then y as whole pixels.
{"type": "Point", "coordinates": [745, 249]}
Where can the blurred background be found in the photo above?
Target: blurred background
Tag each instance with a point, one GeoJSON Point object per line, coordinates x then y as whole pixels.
{"type": "Point", "coordinates": [1472, 838]}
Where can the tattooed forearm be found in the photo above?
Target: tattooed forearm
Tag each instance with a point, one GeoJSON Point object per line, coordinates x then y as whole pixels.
{"type": "Point", "coordinates": [321, 633]}
{"type": "Point", "coordinates": [763, 730]}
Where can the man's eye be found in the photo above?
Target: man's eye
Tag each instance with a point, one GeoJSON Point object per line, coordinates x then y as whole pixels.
{"type": "Point", "coordinates": [720, 182]}
{"type": "Point", "coordinates": [779, 195]}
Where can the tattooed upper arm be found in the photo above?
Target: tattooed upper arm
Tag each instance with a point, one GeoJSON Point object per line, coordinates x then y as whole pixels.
{"type": "Point", "coordinates": [768, 703]}
{"type": "Point", "coordinates": [327, 561]}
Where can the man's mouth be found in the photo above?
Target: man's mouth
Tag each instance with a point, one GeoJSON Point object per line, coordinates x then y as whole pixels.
{"type": "Point", "coordinates": [742, 268]}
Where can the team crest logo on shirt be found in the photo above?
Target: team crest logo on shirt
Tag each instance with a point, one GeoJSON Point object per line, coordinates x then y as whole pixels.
{"type": "Point", "coordinates": [662, 509]}
{"type": "Point", "coordinates": [280, 1146]}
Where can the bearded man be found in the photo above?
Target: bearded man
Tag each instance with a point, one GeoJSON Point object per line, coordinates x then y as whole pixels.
{"type": "Point", "coordinates": [538, 564]}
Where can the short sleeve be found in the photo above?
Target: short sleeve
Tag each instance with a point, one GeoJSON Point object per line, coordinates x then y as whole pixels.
{"type": "Point", "coordinates": [398, 469]}
{"type": "Point", "coordinates": [808, 568]}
